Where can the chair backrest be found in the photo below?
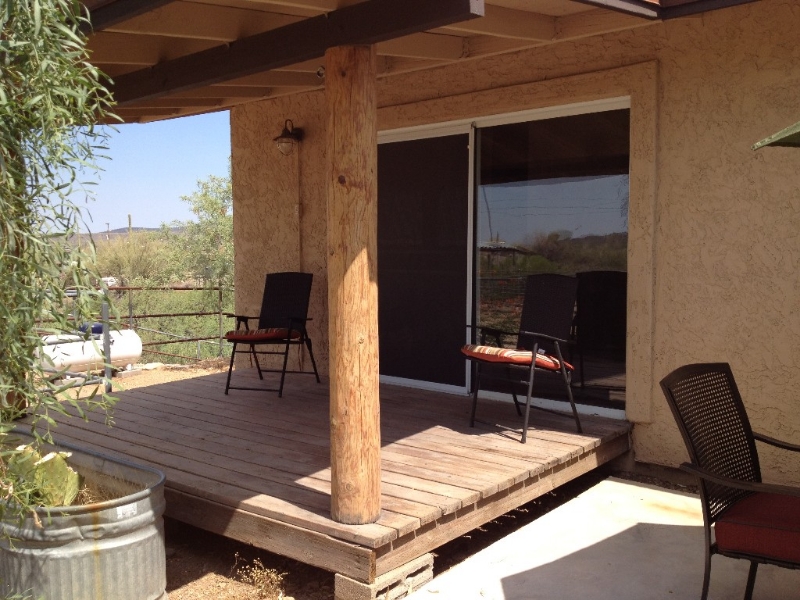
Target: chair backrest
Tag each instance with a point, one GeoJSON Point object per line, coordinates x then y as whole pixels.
{"type": "Point", "coordinates": [601, 317]}
{"type": "Point", "coordinates": [711, 416]}
{"type": "Point", "coordinates": [548, 307]}
{"type": "Point", "coordinates": [286, 296]}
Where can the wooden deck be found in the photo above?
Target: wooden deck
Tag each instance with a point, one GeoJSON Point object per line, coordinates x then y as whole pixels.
{"type": "Point", "coordinates": [255, 467]}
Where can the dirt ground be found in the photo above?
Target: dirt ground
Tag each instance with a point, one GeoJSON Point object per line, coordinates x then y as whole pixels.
{"type": "Point", "coordinates": [201, 565]}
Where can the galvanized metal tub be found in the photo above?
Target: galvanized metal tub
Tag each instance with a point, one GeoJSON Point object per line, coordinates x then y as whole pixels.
{"type": "Point", "coordinates": [111, 550]}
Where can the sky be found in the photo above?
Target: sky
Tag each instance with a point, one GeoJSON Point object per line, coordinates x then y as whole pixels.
{"type": "Point", "coordinates": [520, 211]}
{"type": "Point", "coordinates": [151, 166]}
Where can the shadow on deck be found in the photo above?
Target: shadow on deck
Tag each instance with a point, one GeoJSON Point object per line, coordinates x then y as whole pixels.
{"type": "Point", "coordinates": [256, 468]}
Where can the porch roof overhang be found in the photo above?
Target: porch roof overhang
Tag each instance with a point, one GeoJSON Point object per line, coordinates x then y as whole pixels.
{"type": "Point", "coordinates": [171, 58]}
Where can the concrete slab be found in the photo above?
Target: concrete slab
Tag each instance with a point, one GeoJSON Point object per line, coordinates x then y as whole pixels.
{"type": "Point", "coordinates": [618, 540]}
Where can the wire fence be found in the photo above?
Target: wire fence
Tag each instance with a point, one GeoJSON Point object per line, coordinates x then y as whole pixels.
{"type": "Point", "coordinates": [186, 328]}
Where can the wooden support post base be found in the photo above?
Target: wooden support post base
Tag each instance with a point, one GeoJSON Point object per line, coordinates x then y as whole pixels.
{"type": "Point", "coordinates": [397, 583]}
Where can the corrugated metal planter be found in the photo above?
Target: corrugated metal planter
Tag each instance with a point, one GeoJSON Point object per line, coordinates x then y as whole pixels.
{"type": "Point", "coordinates": [112, 550]}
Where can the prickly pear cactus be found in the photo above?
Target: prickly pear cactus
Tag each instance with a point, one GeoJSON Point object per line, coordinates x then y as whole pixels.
{"type": "Point", "coordinates": [54, 482]}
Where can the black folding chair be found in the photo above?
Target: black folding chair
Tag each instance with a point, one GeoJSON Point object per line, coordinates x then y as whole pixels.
{"type": "Point", "coordinates": [545, 330]}
{"type": "Point", "coordinates": [281, 324]}
{"type": "Point", "coordinates": [751, 520]}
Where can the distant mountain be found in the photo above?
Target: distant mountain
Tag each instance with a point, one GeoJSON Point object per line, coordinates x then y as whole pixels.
{"type": "Point", "coordinates": [111, 234]}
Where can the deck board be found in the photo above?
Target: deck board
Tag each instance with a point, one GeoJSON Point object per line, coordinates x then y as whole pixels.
{"type": "Point", "coordinates": [256, 467]}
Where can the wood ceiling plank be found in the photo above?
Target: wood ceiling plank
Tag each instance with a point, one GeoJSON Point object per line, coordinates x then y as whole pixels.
{"type": "Point", "coordinates": [509, 23]}
{"type": "Point", "coordinates": [366, 23]}
{"type": "Point", "coordinates": [487, 45]}
{"type": "Point", "coordinates": [203, 21]}
{"type": "Point", "coordinates": [280, 78]}
{"type": "Point", "coordinates": [424, 45]}
{"type": "Point", "coordinates": [596, 22]}
{"type": "Point", "coordinates": [116, 11]}
{"type": "Point", "coordinates": [394, 65]}
{"type": "Point", "coordinates": [120, 48]}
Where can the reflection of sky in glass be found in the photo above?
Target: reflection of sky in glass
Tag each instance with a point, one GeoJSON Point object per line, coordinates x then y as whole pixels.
{"type": "Point", "coordinates": [517, 212]}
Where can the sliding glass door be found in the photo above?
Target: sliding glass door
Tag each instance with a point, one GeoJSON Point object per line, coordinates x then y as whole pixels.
{"type": "Point", "coordinates": [548, 195]}
{"type": "Point", "coordinates": [552, 197]}
{"type": "Point", "coordinates": [423, 212]}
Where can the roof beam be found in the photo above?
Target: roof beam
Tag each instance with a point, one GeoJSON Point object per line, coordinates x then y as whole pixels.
{"type": "Point", "coordinates": [370, 22]}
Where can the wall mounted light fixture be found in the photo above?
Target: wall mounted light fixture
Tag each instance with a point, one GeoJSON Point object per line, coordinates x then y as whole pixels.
{"type": "Point", "coordinates": [288, 138]}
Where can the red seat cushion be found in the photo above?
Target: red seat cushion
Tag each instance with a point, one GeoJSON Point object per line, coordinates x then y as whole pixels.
{"type": "Point", "coordinates": [514, 357]}
{"type": "Point", "coordinates": [762, 524]}
{"type": "Point", "coordinates": [253, 336]}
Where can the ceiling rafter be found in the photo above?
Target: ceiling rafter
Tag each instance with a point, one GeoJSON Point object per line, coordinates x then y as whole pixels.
{"type": "Point", "coordinates": [116, 11]}
{"type": "Point", "coordinates": [365, 23]}
{"type": "Point", "coordinates": [424, 45]}
{"type": "Point", "coordinates": [569, 27]}
{"type": "Point", "coordinates": [202, 21]}
{"type": "Point", "coordinates": [119, 48]}
{"type": "Point", "coordinates": [510, 23]}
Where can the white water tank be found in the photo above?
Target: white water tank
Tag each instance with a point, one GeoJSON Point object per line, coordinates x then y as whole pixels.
{"type": "Point", "coordinates": [74, 353]}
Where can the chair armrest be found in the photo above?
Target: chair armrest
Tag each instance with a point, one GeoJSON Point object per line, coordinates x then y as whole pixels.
{"type": "Point", "coordinates": [240, 319]}
{"type": "Point", "coordinates": [543, 336]}
{"type": "Point", "coordinates": [491, 331]}
{"type": "Point", "coordinates": [777, 443]}
{"type": "Point", "coordinates": [747, 486]}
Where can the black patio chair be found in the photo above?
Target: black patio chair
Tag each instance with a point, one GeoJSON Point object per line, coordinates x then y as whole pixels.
{"type": "Point", "coordinates": [751, 520]}
{"type": "Point", "coordinates": [544, 332]}
{"type": "Point", "coordinates": [281, 324]}
{"type": "Point", "coordinates": [601, 317]}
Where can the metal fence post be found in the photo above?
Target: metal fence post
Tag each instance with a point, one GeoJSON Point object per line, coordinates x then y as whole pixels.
{"type": "Point", "coordinates": [130, 309]}
{"type": "Point", "coordinates": [106, 347]}
{"type": "Point", "coordinates": [219, 308]}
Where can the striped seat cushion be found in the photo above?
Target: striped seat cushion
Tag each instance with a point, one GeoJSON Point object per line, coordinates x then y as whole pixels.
{"type": "Point", "coordinates": [253, 336]}
{"type": "Point", "coordinates": [514, 357]}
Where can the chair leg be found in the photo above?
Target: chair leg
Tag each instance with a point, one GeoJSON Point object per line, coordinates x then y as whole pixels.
{"type": "Point", "coordinates": [514, 393]}
{"type": "Point", "coordinates": [528, 402]}
{"type": "Point", "coordinates": [283, 371]}
{"type": "Point", "coordinates": [311, 356]}
{"type": "Point", "coordinates": [475, 386]}
{"type": "Point", "coordinates": [751, 581]}
{"type": "Point", "coordinates": [230, 369]}
{"type": "Point", "coordinates": [707, 574]}
{"type": "Point", "coordinates": [255, 359]}
{"type": "Point", "coordinates": [567, 381]}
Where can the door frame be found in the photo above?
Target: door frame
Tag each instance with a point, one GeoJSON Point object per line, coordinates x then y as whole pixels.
{"type": "Point", "coordinates": [470, 126]}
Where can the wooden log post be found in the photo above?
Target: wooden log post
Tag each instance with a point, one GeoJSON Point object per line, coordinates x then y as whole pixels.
{"type": "Point", "coordinates": [350, 81]}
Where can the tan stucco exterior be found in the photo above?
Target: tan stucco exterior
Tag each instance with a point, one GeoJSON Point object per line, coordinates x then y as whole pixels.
{"type": "Point", "coordinates": [714, 228]}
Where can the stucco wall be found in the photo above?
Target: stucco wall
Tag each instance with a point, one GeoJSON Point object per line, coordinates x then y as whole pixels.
{"type": "Point", "coordinates": [714, 227]}
{"type": "Point", "coordinates": [279, 206]}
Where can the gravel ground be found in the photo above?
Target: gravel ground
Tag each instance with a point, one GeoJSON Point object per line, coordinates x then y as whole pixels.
{"type": "Point", "coordinates": [207, 566]}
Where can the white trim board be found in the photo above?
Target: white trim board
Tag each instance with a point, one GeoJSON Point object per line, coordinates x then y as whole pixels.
{"type": "Point", "coordinates": [419, 132]}
{"type": "Point", "coordinates": [432, 386]}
